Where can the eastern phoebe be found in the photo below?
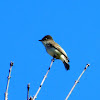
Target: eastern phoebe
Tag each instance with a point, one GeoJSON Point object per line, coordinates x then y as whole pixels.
{"type": "Point", "coordinates": [55, 50]}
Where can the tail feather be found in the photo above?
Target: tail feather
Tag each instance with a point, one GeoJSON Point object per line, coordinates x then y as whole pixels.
{"type": "Point", "coordinates": [66, 65]}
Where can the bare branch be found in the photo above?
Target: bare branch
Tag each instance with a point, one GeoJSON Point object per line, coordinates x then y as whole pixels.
{"type": "Point", "coordinates": [9, 76]}
{"type": "Point", "coordinates": [77, 81]}
{"type": "Point", "coordinates": [34, 97]}
{"type": "Point", "coordinates": [28, 87]}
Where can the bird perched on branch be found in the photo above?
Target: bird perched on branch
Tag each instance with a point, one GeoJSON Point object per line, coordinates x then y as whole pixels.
{"type": "Point", "coordinates": [55, 50]}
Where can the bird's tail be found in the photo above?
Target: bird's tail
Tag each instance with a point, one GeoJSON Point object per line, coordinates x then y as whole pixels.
{"type": "Point", "coordinates": [66, 65]}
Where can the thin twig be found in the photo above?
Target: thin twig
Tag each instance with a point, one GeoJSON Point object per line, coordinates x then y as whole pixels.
{"type": "Point", "coordinates": [77, 81]}
{"type": "Point", "coordinates": [28, 87]}
{"type": "Point", "coordinates": [34, 97]}
{"type": "Point", "coordinates": [9, 76]}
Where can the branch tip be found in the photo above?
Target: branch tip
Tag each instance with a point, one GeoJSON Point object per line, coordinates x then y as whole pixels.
{"type": "Point", "coordinates": [88, 64]}
{"type": "Point", "coordinates": [28, 86]}
{"type": "Point", "coordinates": [53, 59]}
{"type": "Point", "coordinates": [11, 63]}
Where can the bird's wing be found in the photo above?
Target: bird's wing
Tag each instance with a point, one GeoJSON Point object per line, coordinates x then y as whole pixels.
{"type": "Point", "coordinates": [59, 48]}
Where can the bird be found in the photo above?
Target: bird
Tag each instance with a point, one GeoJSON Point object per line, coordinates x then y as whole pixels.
{"type": "Point", "coordinates": [55, 50]}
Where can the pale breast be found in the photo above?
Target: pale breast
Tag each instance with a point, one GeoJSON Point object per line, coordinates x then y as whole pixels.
{"type": "Point", "coordinates": [53, 52]}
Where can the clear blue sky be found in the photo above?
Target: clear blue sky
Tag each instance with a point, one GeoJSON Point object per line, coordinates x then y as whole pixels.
{"type": "Point", "coordinates": [74, 24]}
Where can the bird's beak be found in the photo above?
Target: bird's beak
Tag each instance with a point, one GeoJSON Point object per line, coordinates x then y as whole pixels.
{"type": "Point", "coordinates": [39, 40]}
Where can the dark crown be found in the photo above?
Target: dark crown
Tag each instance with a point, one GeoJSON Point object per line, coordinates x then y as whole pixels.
{"type": "Point", "coordinates": [47, 37]}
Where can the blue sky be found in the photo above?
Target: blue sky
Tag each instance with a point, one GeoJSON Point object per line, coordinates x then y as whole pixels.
{"type": "Point", "coordinates": [74, 24]}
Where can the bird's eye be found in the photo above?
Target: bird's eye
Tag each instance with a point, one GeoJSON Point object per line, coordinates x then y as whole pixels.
{"type": "Point", "coordinates": [45, 38]}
